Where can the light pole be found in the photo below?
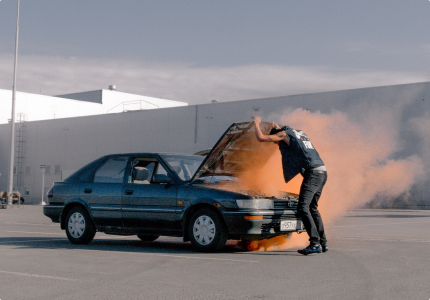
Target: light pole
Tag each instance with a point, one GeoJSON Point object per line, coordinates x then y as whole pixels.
{"type": "Point", "coordinates": [12, 122]}
{"type": "Point", "coordinates": [43, 169]}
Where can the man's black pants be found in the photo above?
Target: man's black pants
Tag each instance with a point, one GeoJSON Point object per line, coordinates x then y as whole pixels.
{"type": "Point", "coordinates": [310, 192]}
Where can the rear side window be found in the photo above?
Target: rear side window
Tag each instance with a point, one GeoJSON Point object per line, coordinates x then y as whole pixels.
{"type": "Point", "coordinates": [112, 171]}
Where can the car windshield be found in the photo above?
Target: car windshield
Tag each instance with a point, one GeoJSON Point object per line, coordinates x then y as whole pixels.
{"type": "Point", "coordinates": [183, 165]}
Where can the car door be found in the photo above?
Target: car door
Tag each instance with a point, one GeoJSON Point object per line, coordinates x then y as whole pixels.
{"type": "Point", "coordinates": [147, 205]}
{"type": "Point", "coordinates": [103, 194]}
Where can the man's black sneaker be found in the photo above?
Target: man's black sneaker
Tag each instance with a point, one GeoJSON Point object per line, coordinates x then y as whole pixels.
{"type": "Point", "coordinates": [312, 248]}
{"type": "Point", "coordinates": [324, 247]}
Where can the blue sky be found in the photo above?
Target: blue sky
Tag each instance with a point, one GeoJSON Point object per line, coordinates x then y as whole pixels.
{"type": "Point", "coordinates": [195, 51]}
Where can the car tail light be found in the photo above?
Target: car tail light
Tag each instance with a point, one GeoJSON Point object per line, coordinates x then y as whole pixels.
{"type": "Point", "coordinates": [50, 193]}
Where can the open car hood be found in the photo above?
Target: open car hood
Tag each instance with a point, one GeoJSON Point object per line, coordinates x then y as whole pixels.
{"type": "Point", "coordinates": [236, 151]}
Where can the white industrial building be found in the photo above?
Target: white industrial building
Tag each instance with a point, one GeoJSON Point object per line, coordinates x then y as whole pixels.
{"type": "Point", "coordinates": [120, 123]}
{"type": "Point", "coordinates": [36, 107]}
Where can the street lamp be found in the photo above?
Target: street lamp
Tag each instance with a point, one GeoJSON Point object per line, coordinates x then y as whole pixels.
{"type": "Point", "coordinates": [12, 143]}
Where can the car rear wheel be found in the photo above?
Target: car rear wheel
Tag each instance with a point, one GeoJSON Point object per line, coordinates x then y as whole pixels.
{"type": "Point", "coordinates": [206, 231]}
{"type": "Point", "coordinates": [80, 228]}
{"type": "Point", "coordinates": [148, 237]}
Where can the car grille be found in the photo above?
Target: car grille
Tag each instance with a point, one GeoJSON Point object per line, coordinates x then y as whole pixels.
{"type": "Point", "coordinates": [285, 204]}
{"type": "Point", "coordinates": [267, 227]}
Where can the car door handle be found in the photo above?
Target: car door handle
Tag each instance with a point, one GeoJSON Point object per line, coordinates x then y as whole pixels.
{"type": "Point", "coordinates": [88, 191]}
{"type": "Point", "coordinates": [129, 192]}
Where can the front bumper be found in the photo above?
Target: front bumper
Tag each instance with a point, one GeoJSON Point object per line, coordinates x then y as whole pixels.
{"type": "Point", "coordinates": [268, 225]}
{"type": "Point", "coordinates": [53, 212]}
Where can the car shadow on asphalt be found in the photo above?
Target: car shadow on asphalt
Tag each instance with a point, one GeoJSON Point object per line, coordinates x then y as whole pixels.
{"type": "Point", "coordinates": [167, 246]}
{"type": "Point", "coordinates": [389, 216]}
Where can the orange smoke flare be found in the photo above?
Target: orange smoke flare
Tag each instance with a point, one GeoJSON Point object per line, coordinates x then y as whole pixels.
{"type": "Point", "coordinates": [359, 163]}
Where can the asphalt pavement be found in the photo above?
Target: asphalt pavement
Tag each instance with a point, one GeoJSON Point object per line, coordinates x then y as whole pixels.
{"type": "Point", "coordinates": [373, 254]}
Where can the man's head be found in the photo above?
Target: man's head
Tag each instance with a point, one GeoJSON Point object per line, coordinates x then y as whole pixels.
{"type": "Point", "coordinates": [276, 129]}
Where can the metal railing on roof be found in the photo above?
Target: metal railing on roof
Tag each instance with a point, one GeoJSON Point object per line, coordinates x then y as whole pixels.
{"type": "Point", "coordinates": [132, 102]}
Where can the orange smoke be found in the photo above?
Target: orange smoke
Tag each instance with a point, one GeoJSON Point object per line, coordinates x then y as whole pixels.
{"type": "Point", "coordinates": [358, 156]}
{"type": "Point", "coordinates": [278, 242]}
{"type": "Point", "coordinates": [358, 159]}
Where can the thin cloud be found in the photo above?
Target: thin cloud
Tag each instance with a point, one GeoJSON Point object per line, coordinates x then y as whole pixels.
{"type": "Point", "coordinates": [379, 49]}
{"type": "Point", "coordinates": [185, 82]}
{"type": "Point", "coordinates": [426, 48]}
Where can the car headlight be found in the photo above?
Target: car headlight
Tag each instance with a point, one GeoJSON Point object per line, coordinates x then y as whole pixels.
{"type": "Point", "coordinates": [255, 203]}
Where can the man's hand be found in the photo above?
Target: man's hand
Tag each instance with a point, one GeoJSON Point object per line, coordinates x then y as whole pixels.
{"type": "Point", "coordinates": [257, 119]}
{"type": "Point", "coordinates": [274, 125]}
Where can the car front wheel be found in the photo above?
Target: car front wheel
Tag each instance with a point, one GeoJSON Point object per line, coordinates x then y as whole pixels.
{"type": "Point", "coordinates": [206, 231]}
{"type": "Point", "coordinates": [80, 228]}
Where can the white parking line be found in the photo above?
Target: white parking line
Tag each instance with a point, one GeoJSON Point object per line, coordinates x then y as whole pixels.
{"type": "Point", "coordinates": [37, 275]}
{"type": "Point", "coordinates": [349, 249]}
{"type": "Point", "coordinates": [32, 224]}
{"type": "Point", "coordinates": [33, 232]}
{"type": "Point", "coordinates": [62, 234]}
{"type": "Point", "coordinates": [30, 241]}
{"type": "Point", "coordinates": [377, 224]}
{"type": "Point", "coordinates": [201, 258]}
{"type": "Point", "coordinates": [383, 239]}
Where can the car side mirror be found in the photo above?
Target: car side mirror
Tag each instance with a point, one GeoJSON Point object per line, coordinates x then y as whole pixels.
{"type": "Point", "coordinates": [161, 178]}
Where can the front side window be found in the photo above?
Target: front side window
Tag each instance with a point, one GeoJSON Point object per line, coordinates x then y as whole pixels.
{"type": "Point", "coordinates": [184, 166]}
{"type": "Point", "coordinates": [112, 171]}
{"type": "Point", "coordinates": [144, 169]}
